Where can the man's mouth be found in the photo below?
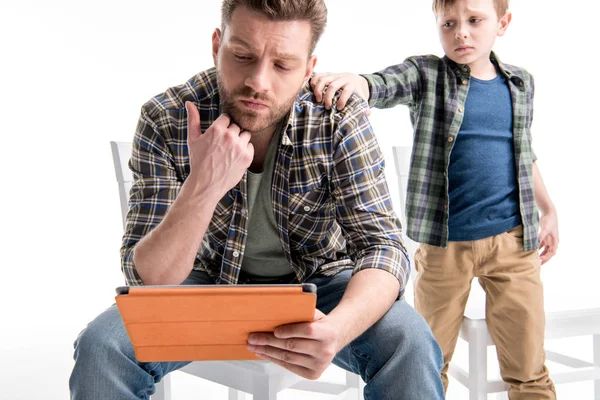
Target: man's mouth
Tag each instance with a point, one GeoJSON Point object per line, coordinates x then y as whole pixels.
{"type": "Point", "coordinates": [253, 104]}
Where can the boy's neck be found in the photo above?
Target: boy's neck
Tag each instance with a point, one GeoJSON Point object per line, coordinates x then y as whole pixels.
{"type": "Point", "coordinates": [483, 69]}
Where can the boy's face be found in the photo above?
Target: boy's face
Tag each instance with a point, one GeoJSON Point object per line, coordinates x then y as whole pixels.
{"type": "Point", "coordinates": [261, 66]}
{"type": "Point", "coordinates": [468, 30]}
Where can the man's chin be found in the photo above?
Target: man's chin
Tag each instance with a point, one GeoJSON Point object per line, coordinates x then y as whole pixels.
{"type": "Point", "coordinates": [250, 123]}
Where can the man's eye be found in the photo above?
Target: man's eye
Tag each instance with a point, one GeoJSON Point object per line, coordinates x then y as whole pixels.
{"type": "Point", "coordinates": [241, 58]}
{"type": "Point", "coordinates": [282, 67]}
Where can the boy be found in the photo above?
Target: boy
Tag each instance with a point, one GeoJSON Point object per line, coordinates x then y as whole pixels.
{"type": "Point", "coordinates": [473, 186]}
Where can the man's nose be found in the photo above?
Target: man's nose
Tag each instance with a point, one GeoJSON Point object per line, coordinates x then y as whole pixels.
{"type": "Point", "coordinates": [259, 79]}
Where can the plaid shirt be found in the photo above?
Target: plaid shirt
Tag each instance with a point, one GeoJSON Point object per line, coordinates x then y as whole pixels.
{"type": "Point", "coordinates": [330, 198]}
{"type": "Point", "coordinates": [435, 91]}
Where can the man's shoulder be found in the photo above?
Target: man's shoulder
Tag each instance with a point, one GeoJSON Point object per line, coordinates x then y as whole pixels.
{"type": "Point", "coordinates": [306, 105]}
{"type": "Point", "coordinates": [200, 88]}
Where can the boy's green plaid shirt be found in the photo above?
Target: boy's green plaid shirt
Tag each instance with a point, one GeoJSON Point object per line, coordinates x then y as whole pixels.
{"type": "Point", "coordinates": [435, 91]}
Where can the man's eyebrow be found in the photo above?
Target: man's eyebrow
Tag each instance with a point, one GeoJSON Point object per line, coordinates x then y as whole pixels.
{"type": "Point", "coordinates": [280, 55]}
{"type": "Point", "coordinates": [238, 40]}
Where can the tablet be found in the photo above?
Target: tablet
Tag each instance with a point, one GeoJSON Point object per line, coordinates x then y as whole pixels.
{"type": "Point", "coordinates": [208, 322]}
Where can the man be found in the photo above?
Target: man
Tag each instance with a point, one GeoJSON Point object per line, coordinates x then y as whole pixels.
{"type": "Point", "coordinates": [245, 144]}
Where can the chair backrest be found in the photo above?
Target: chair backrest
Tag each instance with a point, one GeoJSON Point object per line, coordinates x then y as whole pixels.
{"type": "Point", "coordinates": [402, 156]}
{"type": "Point", "coordinates": [121, 152]}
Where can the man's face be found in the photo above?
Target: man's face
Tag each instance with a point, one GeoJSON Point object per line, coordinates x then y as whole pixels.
{"type": "Point", "coordinates": [261, 66]}
{"type": "Point", "coordinates": [468, 30]}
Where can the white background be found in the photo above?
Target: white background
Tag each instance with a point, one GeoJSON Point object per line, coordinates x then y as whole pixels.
{"type": "Point", "coordinates": [73, 75]}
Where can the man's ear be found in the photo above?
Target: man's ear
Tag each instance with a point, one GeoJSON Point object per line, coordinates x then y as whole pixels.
{"type": "Point", "coordinates": [504, 21]}
{"type": "Point", "coordinates": [216, 43]}
{"type": "Point", "coordinates": [310, 66]}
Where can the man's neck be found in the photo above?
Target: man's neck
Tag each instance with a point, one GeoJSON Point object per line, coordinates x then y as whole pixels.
{"type": "Point", "coordinates": [260, 141]}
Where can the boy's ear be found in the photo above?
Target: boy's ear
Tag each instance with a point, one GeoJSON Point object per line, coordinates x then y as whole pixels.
{"type": "Point", "coordinates": [503, 23]}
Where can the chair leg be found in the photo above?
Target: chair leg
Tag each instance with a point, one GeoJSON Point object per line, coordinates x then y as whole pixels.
{"type": "Point", "coordinates": [502, 396]}
{"type": "Point", "coordinates": [264, 392]}
{"type": "Point", "coordinates": [478, 362]}
{"type": "Point", "coordinates": [163, 389]}
{"type": "Point", "coordinates": [355, 387]}
{"type": "Point", "coordinates": [236, 394]}
{"type": "Point", "coordinates": [596, 340]}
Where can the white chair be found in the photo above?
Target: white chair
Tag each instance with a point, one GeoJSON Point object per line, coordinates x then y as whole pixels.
{"type": "Point", "coordinates": [474, 329]}
{"type": "Point", "coordinates": [263, 380]}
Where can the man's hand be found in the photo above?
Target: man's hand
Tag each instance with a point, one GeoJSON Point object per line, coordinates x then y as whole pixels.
{"type": "Point", "coordinates": [220, 156]}
{"type": "Point", "coordinates": [305, 349]}
{"type": "Point", "coordinates": [348, 83]}
{"type": "Point", "coordinates": [548, 236]}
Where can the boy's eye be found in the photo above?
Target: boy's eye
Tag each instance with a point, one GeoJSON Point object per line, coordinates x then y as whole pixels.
{"type": "Point", "coordinates": [448, 24]}
{"type": "Point", "coordinates": [475, 20]}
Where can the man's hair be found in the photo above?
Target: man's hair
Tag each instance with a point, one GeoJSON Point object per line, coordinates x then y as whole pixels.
{"type": "Point", "coordinates": [501, 6]}
{"type": "Point", "coordinates": [313, 11]}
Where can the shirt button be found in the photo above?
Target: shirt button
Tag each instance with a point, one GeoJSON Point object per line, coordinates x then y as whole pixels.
{"type": "Point", "coordinates": [306, 208]}
{"type": "Point", "coordinates": [236, 254]}
{"type": "Point", "coordinates": [464, 82]}
{"type": "Point", "coordinates": [450, 139]}
{"type": "Point", "coordinates": [460, 110]}
{"type": "Point", "coordinates": [445, 205]}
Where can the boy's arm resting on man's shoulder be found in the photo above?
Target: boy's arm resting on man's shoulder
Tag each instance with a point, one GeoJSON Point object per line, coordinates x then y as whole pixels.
{"type": "Point", "coordinates": [395, 85]}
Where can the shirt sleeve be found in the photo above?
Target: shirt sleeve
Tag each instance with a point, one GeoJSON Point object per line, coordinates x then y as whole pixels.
{"type": "Point", "coordinates": [395, 85]}
{"type": "Point", "coordinates": [154, 189]}
{"type": "Point", "coordinates": [362, 200]}
{"type": "Point", "coordinates": [530, 85]}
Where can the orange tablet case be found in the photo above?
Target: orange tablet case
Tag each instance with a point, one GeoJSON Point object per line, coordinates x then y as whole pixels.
{"type": "Point", "coordinates": [208, 322]}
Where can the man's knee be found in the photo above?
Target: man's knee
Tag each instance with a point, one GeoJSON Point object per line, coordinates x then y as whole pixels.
{"type": "Point", "coordinates": [104, 336]}
{"type": "Point", "coordinates": [403, 329]}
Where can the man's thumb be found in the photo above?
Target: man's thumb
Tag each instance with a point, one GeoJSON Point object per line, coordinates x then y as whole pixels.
{"type": "Point", "coordinates": [193, 120]}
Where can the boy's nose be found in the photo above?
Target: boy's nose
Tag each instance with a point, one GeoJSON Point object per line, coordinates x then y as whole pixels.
{"type": "Point", "coordinates": [461, 34]}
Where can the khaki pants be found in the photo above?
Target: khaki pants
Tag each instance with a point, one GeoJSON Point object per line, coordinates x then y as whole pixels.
{"type": "Point", "coordinates": [515, 315]}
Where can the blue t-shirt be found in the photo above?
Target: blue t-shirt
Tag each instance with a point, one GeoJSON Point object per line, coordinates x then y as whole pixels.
{"type": "Point", "coordinates": [483, 188]}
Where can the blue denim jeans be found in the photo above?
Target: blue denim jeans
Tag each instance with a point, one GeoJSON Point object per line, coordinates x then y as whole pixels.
{"type": "Point", "coordinates": [398, 357]}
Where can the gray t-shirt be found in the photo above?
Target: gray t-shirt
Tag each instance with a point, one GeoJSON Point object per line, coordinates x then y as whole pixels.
{"type": "Point", "coordinates": [263, 255]}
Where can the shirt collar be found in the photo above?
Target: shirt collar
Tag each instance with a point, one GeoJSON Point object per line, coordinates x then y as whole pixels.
{"type": "Point", "coordinates": [463, 71]}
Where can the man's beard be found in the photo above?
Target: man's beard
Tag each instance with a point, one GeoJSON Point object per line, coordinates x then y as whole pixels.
{"type": "Point", "coordinates": [250, 120]}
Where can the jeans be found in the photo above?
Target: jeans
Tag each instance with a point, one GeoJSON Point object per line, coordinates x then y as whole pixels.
{"type": "Point", "coordinates": [397, 357]}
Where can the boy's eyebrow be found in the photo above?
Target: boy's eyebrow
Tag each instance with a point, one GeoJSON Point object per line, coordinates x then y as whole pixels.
{"type": "Point", "coordinates": [280, 55]}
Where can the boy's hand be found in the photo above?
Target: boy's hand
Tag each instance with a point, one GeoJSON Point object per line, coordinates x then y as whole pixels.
{"type": "Point", "coordinates": [305, 349]}
{"type": "Point", "coordinates": [347, 82]}
{"type": "Point", "coordinates": [548, 236]}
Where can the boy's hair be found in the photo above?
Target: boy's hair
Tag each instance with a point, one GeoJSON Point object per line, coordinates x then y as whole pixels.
{"type": "Point", "coordinates": [501, 6]}
{"type": "Point", "coordinates": [314, 11]}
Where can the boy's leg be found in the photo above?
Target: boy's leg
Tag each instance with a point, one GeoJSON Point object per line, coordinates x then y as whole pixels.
{"type": "Point", "coordinates": [515, 315]}
{"type": "Point", "coordinates": [441, 292]}
{"type": "Point", "coordinates": [397, 357]}
{"type": "Point", "coordinates": [105, 365]}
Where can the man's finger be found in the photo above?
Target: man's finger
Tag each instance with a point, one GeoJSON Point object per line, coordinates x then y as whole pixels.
{"type": "Point", "coordinates": [296, 369]}
{"type": "Point", "coordinates": [193, 121]}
